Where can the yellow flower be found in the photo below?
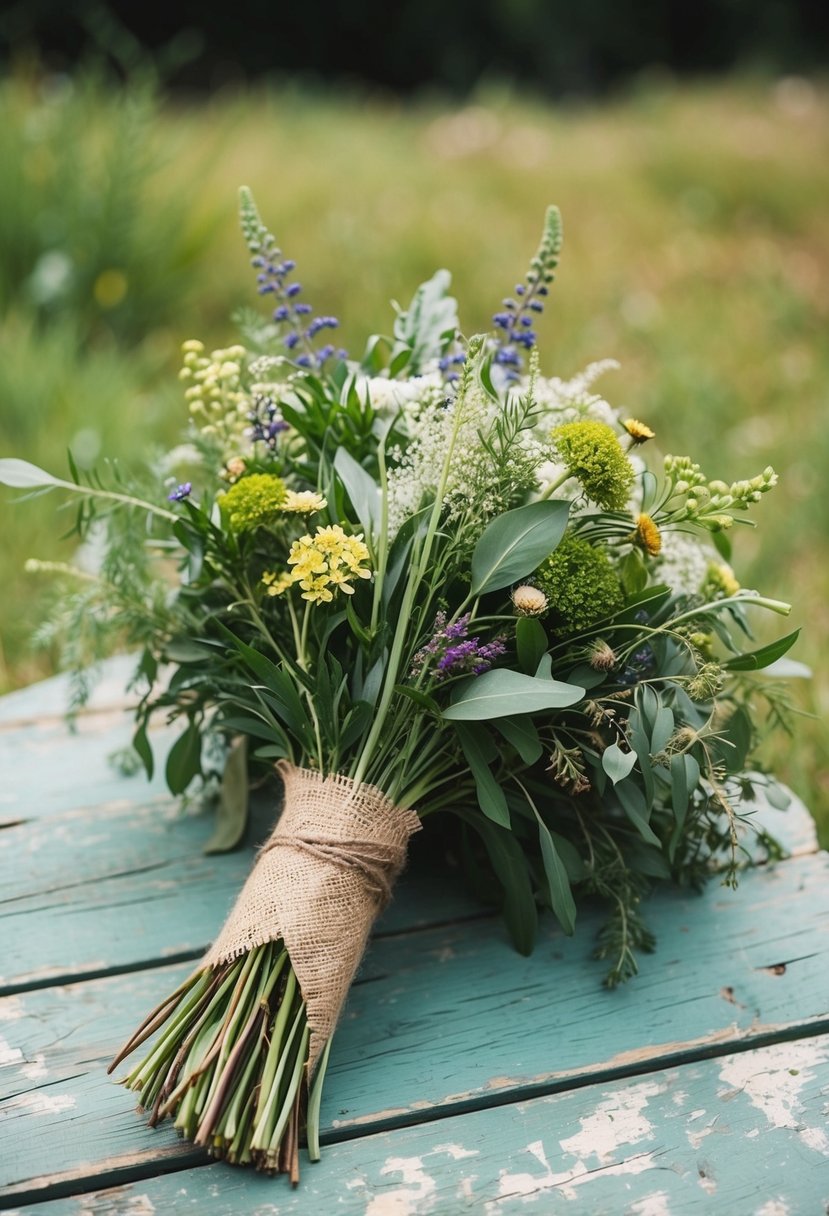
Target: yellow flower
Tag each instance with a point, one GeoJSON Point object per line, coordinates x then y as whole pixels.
{"type": "Point", "coordinates": [304, 502]}
{"type": "Point", "coordinates": [720, 582]}
{"type": "Point", "coordinates": [277, 583]}
{"type": "Point", "coordinates": [647, 535]}
{"type": "Point", "coordinates": [328, 559]}
{"type": "Point", "coordinates": [638, 431]}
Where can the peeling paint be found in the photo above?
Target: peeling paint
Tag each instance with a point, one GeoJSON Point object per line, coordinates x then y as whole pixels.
{"type": "Point", "coordinates": [103, 1204]}
{"type": "Point", "coordinates": [456, 1151]}
{"type": "Point", "coordinates": [616, 1122]}
{"type": "Point", "coordinates": [39, 1103]}
{"type": "Point", "coordinates": [773, 1083]}
{"type": "Point", "coordinates": [416, 1197]}
{"type": "Point", "coordinates": [9, 1054]}
{"type": "Point", "coordinates": [11, 1009]}
{"type": "Point", "coordinates": [773, 1207]}
{"type": "Point", "coordinates": [35, 1068]}
{"type": "Point", "coordinates": [651, 1205]}
{"type": "Point", "coordinates": [525, 1185]}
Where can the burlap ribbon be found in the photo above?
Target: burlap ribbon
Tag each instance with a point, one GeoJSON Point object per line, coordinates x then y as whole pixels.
{"type": "Point", "coordinates": [319, 881]}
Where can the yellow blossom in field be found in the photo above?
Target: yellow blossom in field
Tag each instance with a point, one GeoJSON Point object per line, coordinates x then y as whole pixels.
{"type": "Point", "coordinates": [275, 583]}
{"type": "Point", "coordinates": [638, 431]}
{"type": "Point", "coordinates": [326, 562]}
{"type": "Point", "coordinates": [647, 535]}
{"type": "Point", "coordinates": [304, 502]}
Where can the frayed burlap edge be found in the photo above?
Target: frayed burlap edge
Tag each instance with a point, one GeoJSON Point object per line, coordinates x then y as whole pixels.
{"type": "Point", "coordinates": [319, 882]}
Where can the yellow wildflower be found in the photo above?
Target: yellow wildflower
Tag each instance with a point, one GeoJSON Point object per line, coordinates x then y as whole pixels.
{"type": "Point", "coordinates": [720, 582]}
{"type": "Point", "coordinates": [275, 583]}
{"type": "Point", "coordinates": [638, 431]}
{"type": "Point", "coordinates": [647, 535]}
{"type": "Point", "coordinates": [327, 562]}
{"type": "Point", "coordinates": [304, 502]}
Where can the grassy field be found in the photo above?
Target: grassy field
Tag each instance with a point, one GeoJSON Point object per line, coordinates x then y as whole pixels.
{"type": "Point", "coordinates": [696, 253]}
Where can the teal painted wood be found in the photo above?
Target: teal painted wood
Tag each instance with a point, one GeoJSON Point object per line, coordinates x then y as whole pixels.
{"type": "Point", "coordinates": [447, 1019]}
{"type": "Point", "coordinates": [744, 1134]}
{"type": "Point", "coordinates": [50, 698]}
{"type": "Point", "coordinates": [141, 872]}
{"type": "Point", "coordinates": [47, 770]}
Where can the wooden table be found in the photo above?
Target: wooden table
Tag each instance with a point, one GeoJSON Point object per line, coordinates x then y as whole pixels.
{"type": "Point", "coordinates": [464, 1078]}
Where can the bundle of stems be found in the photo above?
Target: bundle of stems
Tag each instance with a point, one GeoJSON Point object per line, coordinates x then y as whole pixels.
{"type": "Point", "coordinates": [231, 1064]}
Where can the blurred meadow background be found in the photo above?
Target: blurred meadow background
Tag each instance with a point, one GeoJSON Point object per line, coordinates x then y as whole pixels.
{"type": "Point", "coordinates": [696, 253]}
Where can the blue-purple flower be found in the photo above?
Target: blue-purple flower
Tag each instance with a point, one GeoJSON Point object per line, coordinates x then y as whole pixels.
{"type": "Point", "coordinates": [180, 492]}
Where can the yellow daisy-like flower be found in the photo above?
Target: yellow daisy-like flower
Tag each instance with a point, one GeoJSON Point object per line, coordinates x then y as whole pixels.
{"type": "Point", "coordinates": [277, 583]}
{"type": "Point", "coordinates": [304, 502]}
{"type": "Point", "coordinates": [327, 562]}
{"type": "Point", "coordinates": [638, 431]}
{"type": "Point", "coordinates": [647, 535]}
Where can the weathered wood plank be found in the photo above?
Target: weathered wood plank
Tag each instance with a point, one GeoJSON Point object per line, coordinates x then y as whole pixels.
{"type": "Point", "coordinates": [50, 698]}
{"type": "Point", "coordinates": [141, 872]}
{"type": "Point", "coordinates": [745, 1133]}
{"type": "Point", "coordinates": [450, 1019]}
{"type": "Point", "coordinates": [48, 770]}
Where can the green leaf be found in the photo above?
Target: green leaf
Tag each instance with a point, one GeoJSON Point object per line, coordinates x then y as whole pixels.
{"type": "Point", "coordinates": [419, 697]}
{"type": "Point", "coordinates": [362, 489]}
{"type": "Point", "coordinates": [633, 572]}
{"type": "Point", "coordinates": [21, 475]}
{"type": "Point", "coordinates": [515, 543]}
{"type": "Point", "coordinates": [663, 728]}
{"type": "Point", "coordinates": [430, 322]}
{"type": "Point", "coordinates": [232, 814]}
{"type": "Point", "coordinates": [636, 809]}
{"type": "Point", "coordinates": [501, 693]}
{"type": "Point", "coordinates": [523, 736]}
{"type": "Point", "coordinates": [530, 643]}
{"type": "Point", "coordinates": [491, 797]}
{"type": "Point", "coordinates": [558, 884]}
{"type": "Point", "coordinates": [510, 865]}
{"type": "Point", "coordinates": [144, 750]}
{"type": "Point", "coordinates": [184, 760]}
{"type": "Point", "coordinates": [616, 763]}
{"type": "Point", "coordinates": [679, 789]}
{"type": "Point", "coordinates": [766, 655]}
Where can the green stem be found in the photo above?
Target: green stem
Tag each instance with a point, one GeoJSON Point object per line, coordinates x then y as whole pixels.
{"type": "Point", "coordinates": [114, 496]}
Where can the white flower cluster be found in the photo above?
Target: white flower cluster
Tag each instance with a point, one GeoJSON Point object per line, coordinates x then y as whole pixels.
{"type": "Point", "coordinates": [561, 401]}
{"type": "Point", "coordinates": [683, 562]}
{"type": "Point", "coordinates": [387, 396]}
{"type": "Point", "coordinates": [476, 469]}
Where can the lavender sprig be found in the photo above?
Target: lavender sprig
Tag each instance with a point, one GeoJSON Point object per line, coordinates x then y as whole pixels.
{"type": "Point", "coordinates": [273, 277]}
{"type": "Point", "coordinates": [450, 652]}
{"type": "Point", "coordinates": [515, 322]}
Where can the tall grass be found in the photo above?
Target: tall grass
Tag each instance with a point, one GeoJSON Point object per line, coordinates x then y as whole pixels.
{"type": "Point", "coordinates": [696, 252]}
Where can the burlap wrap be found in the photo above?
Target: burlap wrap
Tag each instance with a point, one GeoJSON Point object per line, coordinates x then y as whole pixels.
{"type": "Point", "coordinates": [319, 881]}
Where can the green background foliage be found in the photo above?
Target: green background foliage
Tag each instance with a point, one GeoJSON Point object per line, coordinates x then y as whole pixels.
{"type": "Point", "coordinates": [696, 252]}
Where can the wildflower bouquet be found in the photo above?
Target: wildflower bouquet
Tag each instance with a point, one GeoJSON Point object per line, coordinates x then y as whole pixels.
{"type": "Point", "coordinates": [430, 587]}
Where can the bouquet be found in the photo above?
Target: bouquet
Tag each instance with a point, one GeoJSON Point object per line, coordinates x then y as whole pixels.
{"type": "Point", "coordinates": [426, 587]}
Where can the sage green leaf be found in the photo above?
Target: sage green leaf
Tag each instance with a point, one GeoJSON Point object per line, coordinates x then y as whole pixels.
{"type": "Point", "coordinates": [510, 865]}
{"type": "Point", "coordinates": [430, 322]}
{"type": "Point", "coordinates": [501, 693]}
{"type": "Point", "coordinates": [21, 475]}
{"type": "Point", "coordinates": [362, 490]}
{"type": "Point", "coordinates": [636, 809]}
{"type": "Point", "coordinates": [144, 750]}
{"type": "Point", "coordinates": [184, 760]}
{"type": "Point", "coordinates": [515, 543]}
{"type": "Point", "coordinates": [232, 813]}
{"type": "Point", "coordinates": [522, 734]}
{"type": "Point", "coordinates": [558, 884]}
{"type": "Point", "coordinates": [763, 657]}
{"type": "Point", "coordinates": [530, 643]}
{"type": "Point", "coordinates": [616, 763]}
{"type": "Point", "coordinates": [491, 797]}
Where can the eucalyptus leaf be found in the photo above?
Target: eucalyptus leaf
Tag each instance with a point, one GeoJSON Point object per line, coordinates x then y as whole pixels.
{"type": "Point", "coordinates": [184, 760]}
{"type": "Point", "coordinates": [616, 763]}
{"type": "Point", "coordinates": [501, 693]}
{"type": "Point", "coordinates": [232, 813]}
{"type": "Point", "coordinates": [515, 543]}
{"type": "Point", "coordinates": [636, 809]}
{"type": "Point", "coordinates": [21, 475]}
{"type": "Point", "coordinates": [521, 733]}
{"type": "Point", "coordinates": [491, 797]}
{"type": "Point", "coordinates": [558, 884]}
{"type": "Point", "coordinates": [510, 865]}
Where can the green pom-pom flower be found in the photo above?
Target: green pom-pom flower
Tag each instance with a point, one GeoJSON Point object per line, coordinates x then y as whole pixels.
{"type": "Point", "coordinates": [580, 584]}
{"type": "Point", "coordinates": [592, 453]}
{"type": "Point", "coordinates": [254, 501]}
